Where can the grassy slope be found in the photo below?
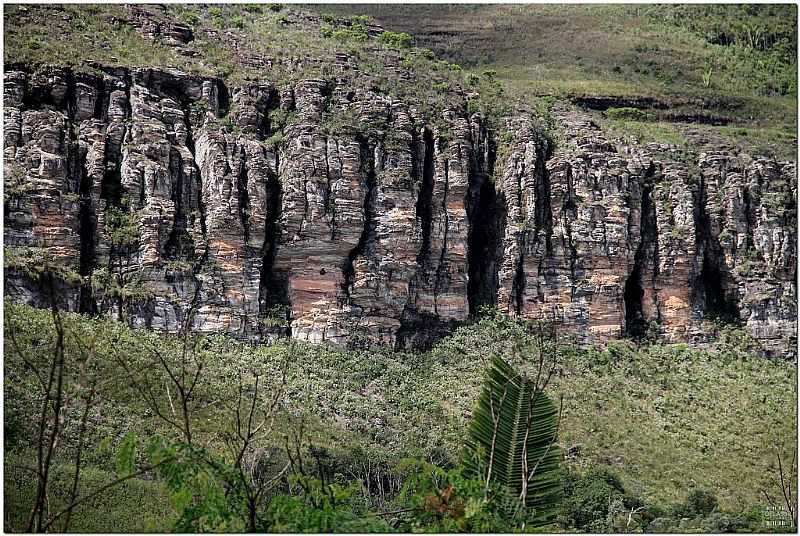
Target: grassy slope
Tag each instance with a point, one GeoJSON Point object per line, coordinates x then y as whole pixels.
{"type": "Point", "coordinates": [622, 51]}
{"type": "Point", "coordinates": [667, 418]}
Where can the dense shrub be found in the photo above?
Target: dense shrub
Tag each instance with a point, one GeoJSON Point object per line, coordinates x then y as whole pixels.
{"type": "Point", "coordinates": [593, 500]}
{"type": "Point", "coordinates": [448, 501]}
{"type": "Point", "coordinates": [699, 503]}
{"type": "Point", "coordinates": [396, 39]}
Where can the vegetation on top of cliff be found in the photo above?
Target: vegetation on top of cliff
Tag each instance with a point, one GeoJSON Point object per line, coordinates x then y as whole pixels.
{"type": "Point", "coordinates": [665, 419]}
{"type": "Point", "coordinates": [733, 67]}
{"type": "Point", "coordinates": [241, 42]}
{"type": "Point", "coordinates": [655, 50]}
{"type": "Point", "coordinates": [724, 64]}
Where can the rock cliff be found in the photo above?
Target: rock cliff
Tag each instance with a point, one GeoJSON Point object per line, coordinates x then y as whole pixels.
{"type": "Point", "coordinates": [329, 212]}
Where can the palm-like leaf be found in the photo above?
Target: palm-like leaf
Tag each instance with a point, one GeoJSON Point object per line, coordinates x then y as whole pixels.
{"type": "Point", "coordinates": [511, 440]}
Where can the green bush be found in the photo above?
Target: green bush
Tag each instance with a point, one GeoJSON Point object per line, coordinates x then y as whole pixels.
{"type": "Point", "coordinates": [190, 17]}
{"type": "Point", "coordinates": [719, 522]}
{"type": "Point", "coordinates": [594, 499]}
{"type": "Point", "coordinates": [447, 501]}
{"type": "Point", "coordinates": [699, 503]}
{"type": "Point", "coordinates": [396, 39]}
{"type": "Point", "coordinates": [275, 140]}
{"type": "Point", "coordinates": [320, 508]}
{"type": "Point", "coordinates": [362, 20]}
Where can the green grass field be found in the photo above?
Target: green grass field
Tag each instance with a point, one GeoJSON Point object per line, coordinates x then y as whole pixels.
{"type": "Point", "coordinates": [678, 56]}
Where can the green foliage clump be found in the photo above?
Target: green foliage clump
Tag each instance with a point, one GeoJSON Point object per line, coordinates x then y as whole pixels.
{"type": "Point", "coordinates": [275, 139]}
{"type": "Point", "coordinates": [320, 508]}
{"type": "Point", "coordinates": [596, 501]}
{"type": "Point", "coordinates": [189, 16]}
{"type": "Point", "coordinates": [450, 501]}
{"type": "Point", "coordinates": [699, 502]}
{"type": "Point", "coordinates": [229, 126]}
{"type": "Point", "coordinates": [356, 31]}
{"type": "Point", "coordinates": [343, 121]}
{"type": "Point", "coordinates": [490, 98]}
{"type": "Point", "coordinates": [396, 39]}
{"type": "Point", "coordinates": [217, 16]}
{"type": "Point", "coordinates": [363, 20]}
{"type": "Point", "coordinates": [36, 263]}
{"type": "Point", "coordinates": [104, 283]}
{"type": "Point", "coordinates": [15, 184]}
{"type": "Point", "coordinates": [275, 316]}
{"type": "Point", "coordinates": [280, 118]}
{"type": "Point", "coordinates": [122, 227]}
{"type": "Point", "coordinates": [237, 21]}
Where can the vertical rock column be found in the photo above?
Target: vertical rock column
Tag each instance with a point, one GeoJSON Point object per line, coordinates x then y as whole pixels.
{"type": "Point", "coordinates": [325, 182]}
{"type": "Point", "coordinates": [41, 168]}
{"type": "Point", "coordinates": [673, 199]}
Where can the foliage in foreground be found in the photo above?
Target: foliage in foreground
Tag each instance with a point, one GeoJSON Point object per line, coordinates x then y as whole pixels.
{"type": "Point", "coordinates": [231, 481]}
{"type": "Point", "coordinates": [512, 438]}
{"type": "Point", "coordinates": [663, 420]}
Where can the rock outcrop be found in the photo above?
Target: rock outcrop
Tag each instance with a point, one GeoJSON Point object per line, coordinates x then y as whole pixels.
{"type": "Point", "coordinates": [329, 213]}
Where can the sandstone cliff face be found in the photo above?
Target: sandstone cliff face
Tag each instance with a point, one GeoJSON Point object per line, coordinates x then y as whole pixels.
{"type": "Point", "coordinates": [612, 242]}
{"type": "Point", "coordinates": [329, 213]}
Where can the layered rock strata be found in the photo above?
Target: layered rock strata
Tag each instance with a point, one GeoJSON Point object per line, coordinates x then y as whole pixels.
{"type": "Point", "coordinates": [331, 213]}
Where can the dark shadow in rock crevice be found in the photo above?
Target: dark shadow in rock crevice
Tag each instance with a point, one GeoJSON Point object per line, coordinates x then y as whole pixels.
{"type": "Point", "coordinates": [486, 211]}
{"type": "Point", "coordinates": [645, 264]}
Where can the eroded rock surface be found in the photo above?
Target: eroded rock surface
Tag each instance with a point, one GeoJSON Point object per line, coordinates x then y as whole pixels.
{"type": "Point", "coordinates": [326, 213]}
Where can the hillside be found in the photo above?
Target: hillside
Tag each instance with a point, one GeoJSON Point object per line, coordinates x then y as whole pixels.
{"type": "Point", "coordinates": [264, 266]}
{"type": "Point", "coordinates": [724, 73]}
